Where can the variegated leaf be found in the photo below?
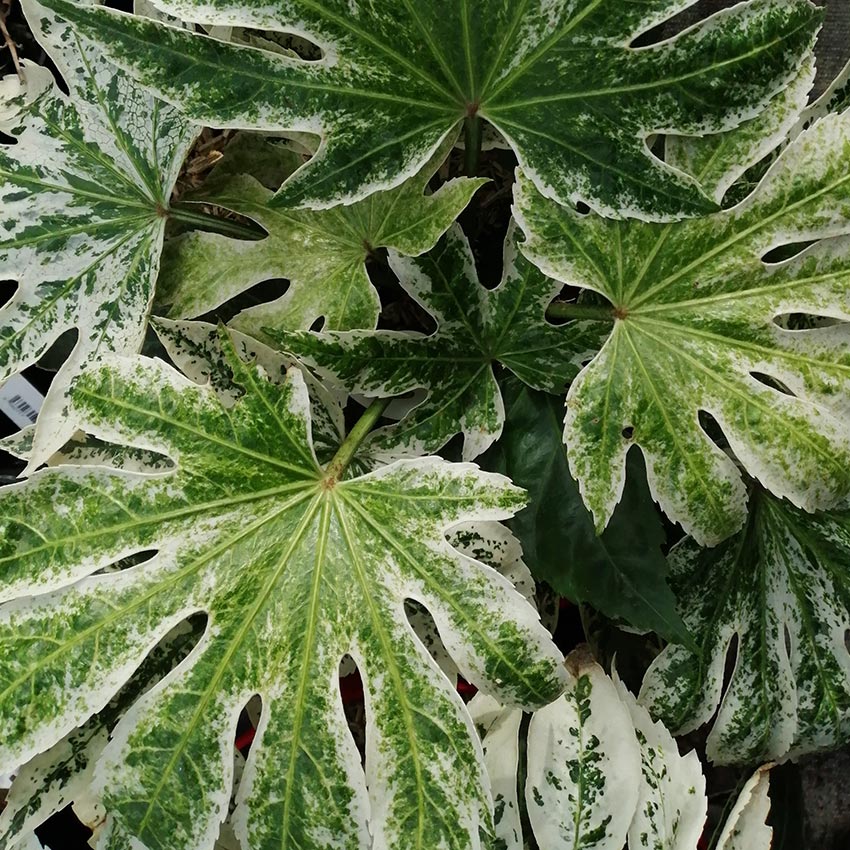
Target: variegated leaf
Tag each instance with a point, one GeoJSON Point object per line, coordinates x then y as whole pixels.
{"type": "Point", "coordinates": [197, 350]}
{"type": "Point", "coordinates": [672, 805]}
{"type": "Point", "coordinates": [599, 770]}
{"type": "Point", "coordinates": [63, 774]}
{"type": "Point", "coordinates": [719, 160]}
{"type": "Point", "coordinates": [500, 728]}
{"type": "Point", "coordinates": [84, 194]}
{"type": "Point", "coordinates": [295, 570]}
{"type": "Point", "coordinates": [477, 328]}
{"type": "Point", "coordinates": [492, 544]}
{"type": "Point", "coordinates": [836, 98]}
{"type": "Point", "coordinates": [584, 765]}
{"type": "Point", "coordinates": [559, 80]}
{"type": "Point", "coordinates": [699, 326]}
{"type": "Point", "coordinates": [779, 590]}
{"type": "Point", "coordinates": [321, 253]}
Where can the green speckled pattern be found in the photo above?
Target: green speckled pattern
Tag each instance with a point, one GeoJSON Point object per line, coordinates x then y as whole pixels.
{"type": "Point", "coordinates": [717, 161]}
{"type": "Point", "coordinates": [672, 806]}
{"type": "Point", "coordinates": [701, 322]}
{"type": "Point", "coordinates": [477, 328]}
{"type": "Point", "coordinates": [81, 196]}
{"type": "Point", "coordinates": [201, 352]}
{"type": "Point", "coordinates": [781, 587]}
{"type": "Point", "coordinates": [294, 572]}
{"type": "Point", "coordinates": [557, 78]}
{"type": "Point", "coordinates": [64, 773]}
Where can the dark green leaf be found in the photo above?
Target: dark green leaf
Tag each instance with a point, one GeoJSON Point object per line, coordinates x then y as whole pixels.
{"type": "Point", "coordinates": [622, 573]}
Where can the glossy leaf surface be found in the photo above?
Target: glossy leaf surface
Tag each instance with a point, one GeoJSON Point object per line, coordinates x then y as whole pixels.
{"type": "Point", "coordinates": [559, 80]}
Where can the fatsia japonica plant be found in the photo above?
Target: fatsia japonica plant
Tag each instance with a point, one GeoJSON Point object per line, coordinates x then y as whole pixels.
{"type": "Point", "coordinates": [393, 350]}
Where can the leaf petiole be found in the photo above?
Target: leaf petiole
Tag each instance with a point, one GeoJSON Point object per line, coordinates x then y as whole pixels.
{"type": "Point", "coordinates": [571, 310]}
{"type": "Point", "coordinates": [472, 130]}
{"type": "Point", "coordinates": [207, 221]}
{"type": "Point", "coordinates": [345, 453]}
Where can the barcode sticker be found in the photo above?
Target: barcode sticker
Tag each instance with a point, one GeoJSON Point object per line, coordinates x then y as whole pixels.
{"type": "Point", "coordinates": [20, 401]}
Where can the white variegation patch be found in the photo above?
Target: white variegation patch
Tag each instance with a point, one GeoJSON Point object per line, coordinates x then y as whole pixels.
{"type": "Point", "coordinates": [84, 195]}
{"type": "Point", "coordinates": [499, 729]}
{"type": "Point", "coordinates": [672, 806]}
{"type": "Point", "coordinates": [583, 765]}
{"type": "Point", "coordinates": [746, 827]}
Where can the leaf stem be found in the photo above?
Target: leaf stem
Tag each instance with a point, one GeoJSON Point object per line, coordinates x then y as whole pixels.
{"type": "Point", "coordinates": [571, 310]}
{"type": "Point", "coordinates": [190, 214]}
{"type": "Point", "coordinates": [345, 453]}
{"type": "Point", "coordinates": [472, 131]}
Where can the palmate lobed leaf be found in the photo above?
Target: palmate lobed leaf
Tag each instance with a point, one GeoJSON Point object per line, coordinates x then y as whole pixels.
{"type": "Point", "coordinates": [778, 593]}
{"type": "Point", "coordinates": [477, 329]}
{"type": "Point", "coordinates": [294, 571]}
{"type": "Point", "coordinates": [83, 196]}
{"type": "Point", "coordinates": [700, 325]}
{"type": "Point", "coordinates": [322, 253]}
{"type": "Point", "coordinates": [559, 80]}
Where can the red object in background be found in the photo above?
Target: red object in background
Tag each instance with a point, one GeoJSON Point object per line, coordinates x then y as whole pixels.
{"type": "Point", "coordinates": [244, 740]}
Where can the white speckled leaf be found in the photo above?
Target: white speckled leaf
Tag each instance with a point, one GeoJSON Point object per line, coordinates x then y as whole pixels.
{"type": "Point", "coordinates": [197, 350]}
{"type": "Point", "coordinates": [599, 770]}
{"type": "Point", "coordinates": [294, 571]}
{"type": "Point", "coordinates": [745, 828]}
{"type": "Point", "coordinates": [558, 79]}
{"type": "Point", "coordinates": [82, 195]}
{"type": "Point", "coordinates": [63, 774]}
{"type": "Point", "coordinates": [718, 161]}
{"type": "Point", "coordinates": [584, 765]}
{"type": "Point", "coordinates": [672, 805]}
{"type": "Point", "coordinates": [781, 587]}
{"type": "Point", "coordinates": [321, 253]}
{"type": "Point", "coordinates": [477, 328]}
{"type": "Point", "coordinates": [700, 326]}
